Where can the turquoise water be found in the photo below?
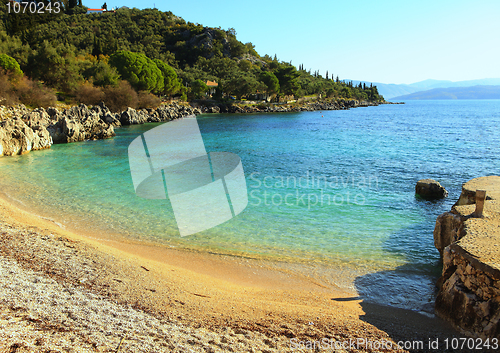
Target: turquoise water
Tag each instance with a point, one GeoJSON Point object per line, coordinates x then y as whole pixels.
{"type": "Point", "coordinates": [327, 188]}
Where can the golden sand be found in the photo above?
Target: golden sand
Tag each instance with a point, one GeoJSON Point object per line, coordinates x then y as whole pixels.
{"type": "Point", "coordinates": [206, 292]}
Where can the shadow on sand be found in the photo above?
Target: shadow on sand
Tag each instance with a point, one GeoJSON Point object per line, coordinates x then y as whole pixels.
{"type": "Point", "coordinates": [418, 329]}
{"type": "Point", "coordinates": [400, 302]}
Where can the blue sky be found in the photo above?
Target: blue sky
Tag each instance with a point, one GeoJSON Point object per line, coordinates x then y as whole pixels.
{"type": "Point", "coordinates": [380, 41]}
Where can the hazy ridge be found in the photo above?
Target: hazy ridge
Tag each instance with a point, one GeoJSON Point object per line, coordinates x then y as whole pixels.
{"type": "Point", "coordinates": [395, 91]}
{"type": "Point", "coordinates": [473, 92]}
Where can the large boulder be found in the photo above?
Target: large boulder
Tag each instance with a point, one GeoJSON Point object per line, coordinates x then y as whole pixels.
{"type": "Point", "coordinates": [38, 120]}
{"type": "Point", "coordinates": [15, 137]}
{"type": "Point", "coordinates": [132, 117]}
{"type": "Point", "coordinates": [106, 115]}
{"type": "Point", "coordinates": [429, 189]}
{"type": "Point", "coordinates": [71, 130]}
{"type": "Point", "coordinates": [165, 113]}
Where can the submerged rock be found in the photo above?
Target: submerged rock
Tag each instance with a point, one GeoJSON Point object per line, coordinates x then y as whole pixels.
{"type": "Point", "coordinates": [430, 189]}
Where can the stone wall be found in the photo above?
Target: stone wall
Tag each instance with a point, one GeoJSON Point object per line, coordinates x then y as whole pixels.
{"type": "Point", "coordinates": [469, 288]}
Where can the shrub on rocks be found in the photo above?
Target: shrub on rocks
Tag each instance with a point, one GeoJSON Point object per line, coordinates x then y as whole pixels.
{"type": "Point", "coordinates": [121, 97]}
{"type": "Point", "coordinates": [147, 100]}
{"type": "Point", "coordinates": [34, 94]}
{"type": "Point", "coordinates": [89, 94]}
{"type": "Point", "coordinates": [26, 91]}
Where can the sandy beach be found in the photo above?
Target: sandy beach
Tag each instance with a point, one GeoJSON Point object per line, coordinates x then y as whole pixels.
{"type": "Point", "coordinates": [63, 292]}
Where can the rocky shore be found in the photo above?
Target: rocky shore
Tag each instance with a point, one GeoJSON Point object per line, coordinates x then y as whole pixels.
{"type": "Point", "coordinates": [469, 288]}
{"type": "Point", "coordinates": [23, 130]}
{"type": "Point", "coordinates": [340, 104]}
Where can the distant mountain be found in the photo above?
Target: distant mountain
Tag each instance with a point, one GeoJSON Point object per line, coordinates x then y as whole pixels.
{"type": "Point", "coordinates": [473, 92]}
{"type": "Point", "coordinates": [391, 90]}
{"type": "Point", "coordinates": [429, 84]}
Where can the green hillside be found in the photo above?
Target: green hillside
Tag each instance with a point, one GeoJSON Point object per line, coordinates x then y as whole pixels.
{"type": "Point", "coordinates": [89, 56]}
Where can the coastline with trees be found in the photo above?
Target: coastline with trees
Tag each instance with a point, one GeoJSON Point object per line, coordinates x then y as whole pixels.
{"type": "Point", "coordinates": [141, 57]}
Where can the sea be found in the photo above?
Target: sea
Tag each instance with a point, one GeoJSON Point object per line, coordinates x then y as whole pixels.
{"type": "Point", "coordinates": [332, 191]}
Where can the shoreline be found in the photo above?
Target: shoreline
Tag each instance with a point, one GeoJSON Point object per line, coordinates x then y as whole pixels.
{"type": "Point", "coordinates": [248, 107]}
{"type": "Point", "coordinates": [337, 274]}
{"type": "Point", "coordinates": [23, 130]}
{"type": "Point", "coordinates": [213, 293]}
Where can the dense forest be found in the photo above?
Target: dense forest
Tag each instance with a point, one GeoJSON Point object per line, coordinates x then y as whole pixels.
{"type": "Point", "coordinates": [136, 56]}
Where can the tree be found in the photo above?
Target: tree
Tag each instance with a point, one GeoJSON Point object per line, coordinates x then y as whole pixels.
{"type": "Point", "coordinates": [98, 47]}
{"type": "Point", "coordinates": [120, 97]}
{"type": "Point", "coordinates": [346, 92]}
{"type": "Point", "coordinates": [102, 74]}
{"type": "Point", "coordinates": [140, 71]}
{"type": "Point", "coordinates": [22, 20]}
{"type": "Point", "coordinates": [287, 76]}
{"type": "Point", "coordinates": [13, 46]}
{"type": "Point", "coordinates": [245, 65]}
{"type": "Point", "coordinates": [251, 49]}
{"type": "Point", "coordinates": [373, 93]}
{"type": "Point", "coordinates": [198, 89]}
{"type": "Point", "coordinates": [222, 68]}
{"type": "Point", "coordinates": [10, 66]}
{"type": "Point", "coordinates": [271, 81]}
{"type": "Point", "coordinates": [56, 66]}
{"type": "Point", "coordinates": [242, 85]}
{"type": "Point", "coordinates": [171, 84]}
{"type": "Point", "coordinates": [237, 48]}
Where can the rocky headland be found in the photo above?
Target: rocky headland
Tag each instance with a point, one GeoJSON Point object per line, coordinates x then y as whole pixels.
{"type": "Point", "coordinates": [469, 242]}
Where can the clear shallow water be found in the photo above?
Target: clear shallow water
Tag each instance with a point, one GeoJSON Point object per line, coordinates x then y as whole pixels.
{"type": "Point", "coordinates": [327, 188]}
